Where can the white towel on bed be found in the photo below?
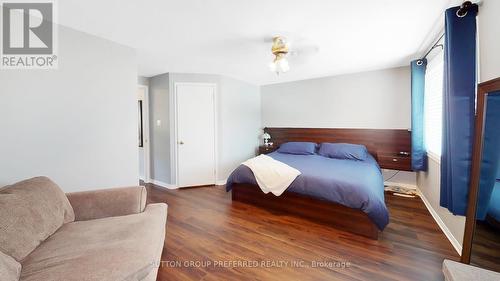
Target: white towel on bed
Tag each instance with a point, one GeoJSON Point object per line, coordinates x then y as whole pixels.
{"type": "Point", "coordinates": [271, 175]}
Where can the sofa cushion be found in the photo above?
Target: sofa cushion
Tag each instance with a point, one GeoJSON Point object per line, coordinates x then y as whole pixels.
{"type": "Point", "coordinates": [31, 211]}
{"type": "Point", "coordinates": [115, 248]}
{"type": "Point", "coordinates": [112, 202]}
{"type": "Point", "coordinates": [10, 269]}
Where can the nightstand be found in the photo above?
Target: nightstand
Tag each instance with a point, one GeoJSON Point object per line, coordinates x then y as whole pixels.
{"type": "Point", "coordinates": [394, 161]}
{"type": "Point", "coordinates": [266, 149]}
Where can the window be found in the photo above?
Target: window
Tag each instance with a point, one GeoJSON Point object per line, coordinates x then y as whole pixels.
{"type": "Point", "coordinates": [433, 104]}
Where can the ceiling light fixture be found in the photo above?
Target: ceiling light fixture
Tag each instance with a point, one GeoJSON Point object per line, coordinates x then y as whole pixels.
{"type": "Point", "coordinates": [279, 50]}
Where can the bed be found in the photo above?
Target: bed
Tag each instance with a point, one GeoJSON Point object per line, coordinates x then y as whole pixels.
{"type": "Point", "coordinates": [351, 183]}
{"type": "Point", "coordinates": [345, 194]}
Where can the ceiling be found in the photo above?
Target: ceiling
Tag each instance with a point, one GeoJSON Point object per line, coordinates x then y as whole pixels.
{"type": "Point", "coordinates": [233, 37]}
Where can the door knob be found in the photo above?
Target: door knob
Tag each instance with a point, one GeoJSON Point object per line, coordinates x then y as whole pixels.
{"type": "Point", "coordinates": [181, 142]}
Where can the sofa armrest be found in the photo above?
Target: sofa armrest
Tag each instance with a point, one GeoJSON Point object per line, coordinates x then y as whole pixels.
{"type": "Point", "coordinates": [112, 202]}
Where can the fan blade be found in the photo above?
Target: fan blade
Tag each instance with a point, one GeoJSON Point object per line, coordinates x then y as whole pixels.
{"type": "Point", "coordinates": [305, 50]}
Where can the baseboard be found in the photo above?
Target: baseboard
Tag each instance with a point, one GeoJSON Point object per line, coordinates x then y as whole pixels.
{"type": "Point", "coordinates": [173, 186]}
{"type": "Point", "coordinates": [221, 182]}
{"type": "Point", "coordinates": [162, 184]}
{"type": "Point", "coordinates": [454, 242]}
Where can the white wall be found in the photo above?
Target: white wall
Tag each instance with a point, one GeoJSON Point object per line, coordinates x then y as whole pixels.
{"type": "Point", "coordinates": [141, 80]}
{"type": "Point", "coordinates": [239, 124]}
{"type": "Point", "coordinates": [77, 124]}
{"type": "Point", "coordinates": [377, 99]}
{"type": "Point", "coordinates": [141, 96]}
{"type": "Point", "coordinates": [489, 40]}
{"type": "Point", "coordinates": [144, 81]}
{"type": "Point", "coordinates": [429, 185]}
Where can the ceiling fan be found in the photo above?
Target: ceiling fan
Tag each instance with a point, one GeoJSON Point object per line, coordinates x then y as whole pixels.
{"type": "Point", "coordinates": [281, 50]}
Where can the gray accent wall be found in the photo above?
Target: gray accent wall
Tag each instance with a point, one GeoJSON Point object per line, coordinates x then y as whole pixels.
{"type": "Point", "coordinates": [376, 99]}
{"type": "Point", "coordinates": [159, 89]}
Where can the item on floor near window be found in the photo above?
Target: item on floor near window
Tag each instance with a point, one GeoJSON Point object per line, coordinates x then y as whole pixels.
{"type": "Point", "coordinates": [399, 190]}
{"type": "Point", "coordinates": [107, 234]}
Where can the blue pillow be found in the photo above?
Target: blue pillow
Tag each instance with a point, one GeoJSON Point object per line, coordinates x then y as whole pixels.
{"type": "Point", "coordinates": [299, 148]}
{"type": "Point", "coordinates": [343, 151]}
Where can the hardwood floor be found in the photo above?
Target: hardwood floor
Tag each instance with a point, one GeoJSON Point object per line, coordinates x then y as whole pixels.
{"type": "Point", "coordinates": [205, 229]}
{"type": "Point", "coordinates": [485, 250]}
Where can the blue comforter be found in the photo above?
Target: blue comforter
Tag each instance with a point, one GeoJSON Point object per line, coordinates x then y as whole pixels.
{"type": "Point", "coordinates": [352, 183]}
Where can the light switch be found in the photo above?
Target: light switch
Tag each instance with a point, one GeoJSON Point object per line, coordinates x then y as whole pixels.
{"type": "Point", "coordinates": [158, 123]}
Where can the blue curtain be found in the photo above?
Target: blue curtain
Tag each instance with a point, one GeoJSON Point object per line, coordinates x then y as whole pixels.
{"type": "Point", "coordinates": [458, 108]}
{"type": "Point", "coordinates": [491, 155]}
{"type": "Point", "coordinates": [418, 152]}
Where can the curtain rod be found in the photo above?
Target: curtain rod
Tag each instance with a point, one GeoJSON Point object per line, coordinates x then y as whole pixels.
{"type": "Point", "coordinates": [435, 45]}
{"type": "Point", "coordinates": [461, 12]}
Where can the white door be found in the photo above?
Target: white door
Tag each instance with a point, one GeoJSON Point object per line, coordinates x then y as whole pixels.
{"type": "Point", "coordinates": [195, 107]}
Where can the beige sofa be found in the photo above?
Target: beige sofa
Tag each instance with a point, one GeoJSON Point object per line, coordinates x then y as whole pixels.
{"type": "Point", "coordinates": [97, 235]}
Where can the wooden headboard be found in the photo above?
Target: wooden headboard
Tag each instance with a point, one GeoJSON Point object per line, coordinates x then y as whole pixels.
{"type": "Point", "coordinates": [384, 144]}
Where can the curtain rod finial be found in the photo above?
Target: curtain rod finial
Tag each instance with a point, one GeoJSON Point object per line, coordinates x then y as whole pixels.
{"type": "Point", "coordinates": [462, 11]}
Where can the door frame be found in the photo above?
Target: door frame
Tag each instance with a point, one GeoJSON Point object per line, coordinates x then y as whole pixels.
{"type": "Point", "coordinates": [145, 133]}
{"type": "Point", "coordinates": [173, 139]}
